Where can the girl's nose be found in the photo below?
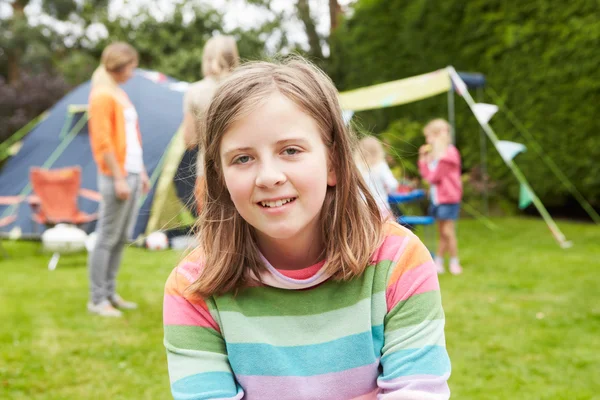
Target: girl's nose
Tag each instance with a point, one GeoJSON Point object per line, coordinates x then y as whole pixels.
{"type": "Point", "coordinates": [269, 175]}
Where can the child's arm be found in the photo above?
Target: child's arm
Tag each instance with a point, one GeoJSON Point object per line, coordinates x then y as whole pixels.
{"type": "Point", "coordinates": [414, 357]}
{"type": "Point", "coordinates": [196, 353]}
{"type": "Point", "coordinates": [449, 161]}
{"type": "Point", "coordinates": [101, 110]}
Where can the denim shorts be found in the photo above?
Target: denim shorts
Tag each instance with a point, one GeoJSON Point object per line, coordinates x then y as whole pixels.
{"type": "Point", "coordinates": [445, 211]}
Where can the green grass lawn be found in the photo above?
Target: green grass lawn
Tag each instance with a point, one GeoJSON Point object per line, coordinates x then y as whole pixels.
{"type": "Point", "coordinates": [523, 321]}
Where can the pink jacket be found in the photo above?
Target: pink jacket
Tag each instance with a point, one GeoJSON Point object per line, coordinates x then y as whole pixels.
{"type": "Point", "coordinates": [445, 177]}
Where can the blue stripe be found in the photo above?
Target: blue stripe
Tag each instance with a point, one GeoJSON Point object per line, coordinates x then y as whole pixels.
{"type": "Point", "coordinates": [378, 335]}
{"type": "Point", "coordinates": [207, 385]}
{"type": "Point", "coordinates": [427, 360]}
{"type": "Point", "coordinates": [334, 356]}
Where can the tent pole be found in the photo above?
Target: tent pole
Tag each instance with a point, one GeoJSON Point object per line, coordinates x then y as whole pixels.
{"type": "Point", "coordinates": [451, 114]}
{"type": "Point", "coordinates": [18, 135]}
{"type": "Point", "coordinates": [483, 160]}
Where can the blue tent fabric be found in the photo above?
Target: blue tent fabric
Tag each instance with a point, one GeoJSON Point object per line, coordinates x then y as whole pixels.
{"type": "Point", "coordinates": [160, 115]}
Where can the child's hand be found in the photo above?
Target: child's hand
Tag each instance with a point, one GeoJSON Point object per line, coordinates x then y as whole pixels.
{"type": "Point", "coordinates": [425, 152]}
{"type": "Point", "coordinates": [426, 148]}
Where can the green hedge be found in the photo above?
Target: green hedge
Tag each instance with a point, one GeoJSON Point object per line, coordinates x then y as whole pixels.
{"type": "Point", "coordinates": [540, 56]}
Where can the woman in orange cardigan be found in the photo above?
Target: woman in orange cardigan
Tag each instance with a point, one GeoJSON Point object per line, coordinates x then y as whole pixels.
{"type": "Point", "coordinates": [117, 149]}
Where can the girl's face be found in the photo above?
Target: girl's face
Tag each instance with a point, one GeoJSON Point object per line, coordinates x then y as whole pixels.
{"type": "Point", "coordinates": [276, 170]}
{"type": "Point", "coordinates": [432, 136]}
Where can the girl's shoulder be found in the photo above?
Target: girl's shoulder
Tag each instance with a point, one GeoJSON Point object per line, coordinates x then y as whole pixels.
{"type": "Point", "coordinates": [392, 228]}
{"type": "Point", "coordinates": [105, 96]}
{"type": "Point", "coordinates": [395, 238]}
{"type": "Point", "coordinates": [185, 273]}
{"type": "Point", "coordinates": [399, 246]}
{"type": "Point", "coordinates": [453, 150]}
{"type": "Point", "coordinates": [102, 93]}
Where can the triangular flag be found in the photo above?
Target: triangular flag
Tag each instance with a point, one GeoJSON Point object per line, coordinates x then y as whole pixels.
{"type": "Point", "coordinates": [484, 112]}
{"type": "Point", "coordinates": [525, 197]}
{"type": "Point", "coordinates": [508, 150]}
{"type": "Point", "coordinates": [347, 115]}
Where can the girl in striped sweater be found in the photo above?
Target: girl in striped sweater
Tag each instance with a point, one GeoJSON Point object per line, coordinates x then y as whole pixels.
{"type": "Point", "coordinates": [299, 289]}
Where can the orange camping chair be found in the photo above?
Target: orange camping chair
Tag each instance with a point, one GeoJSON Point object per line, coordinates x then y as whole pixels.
{"type": "Point", "coordinates": [55, 199]}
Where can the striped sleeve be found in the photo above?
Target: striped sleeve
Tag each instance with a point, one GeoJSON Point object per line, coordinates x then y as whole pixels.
{"type": "Point", "coordinates": [196, 354]}
{"type": "Point", "coordinates": [415, 362]}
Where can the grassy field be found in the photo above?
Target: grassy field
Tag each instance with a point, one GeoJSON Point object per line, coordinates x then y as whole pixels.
{"type": "Point", "coordinates": [523, 321]}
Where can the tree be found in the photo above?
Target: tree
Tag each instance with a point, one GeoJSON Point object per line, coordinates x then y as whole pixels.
{"type": "Point", "coordinates": [18, 35]}
{"type": "Point", "coordinates": [335, 12]}
{"type": "Point", "coordinates": [540, 56]}
{"type": "Point", "coordinates": [314, 40]}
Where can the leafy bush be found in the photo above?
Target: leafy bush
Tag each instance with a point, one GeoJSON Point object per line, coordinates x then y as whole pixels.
{"type": "Point", "coordinates": [21, 102]}
{"type": "Point", "coordinates": [540, 56]}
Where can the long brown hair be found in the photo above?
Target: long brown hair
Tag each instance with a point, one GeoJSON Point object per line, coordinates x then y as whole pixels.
{"type": "Point", "coordinates": [350, 219]}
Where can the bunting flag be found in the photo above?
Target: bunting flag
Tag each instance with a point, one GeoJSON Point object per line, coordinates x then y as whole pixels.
{"type": "Point", "coordinates": [484, 112]}
{"type": "Point", "coordinates": [525, 197]}
{"type": "Point", "coordinates": [397, 92]}
{"type": "Point", "coordinates": [508, 150]}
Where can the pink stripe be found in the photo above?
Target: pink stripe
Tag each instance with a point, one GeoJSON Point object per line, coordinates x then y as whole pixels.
{"type": "Point", "coordinates": [333, 386]}
{"type": "Point", "coordinates": [179, 311]}
{"type": "Point", "coordinates": [301, 274]}
{"type": "Point", "coordinates": [414, 281]}
{"type": "Point", "coordinates": [389, 250]}
{"type": "Point", "coordinates": [190, 270]}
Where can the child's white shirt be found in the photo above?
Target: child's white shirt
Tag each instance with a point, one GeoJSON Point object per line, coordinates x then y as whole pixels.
{"type": "Point", "coordinates": [381, 182]}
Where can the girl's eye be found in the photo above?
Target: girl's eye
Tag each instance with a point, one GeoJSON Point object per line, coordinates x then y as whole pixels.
{"type": "Point", "coordinates": [290, 151]}
{"type": "Point", "coordinates": [241, 160]}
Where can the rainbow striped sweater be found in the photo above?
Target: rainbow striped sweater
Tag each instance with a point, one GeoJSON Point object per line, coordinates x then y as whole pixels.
{"type": "Point", "coordinates": [378, 336]}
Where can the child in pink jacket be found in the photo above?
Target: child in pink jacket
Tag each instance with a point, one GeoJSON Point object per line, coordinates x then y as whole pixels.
{"type": "Point", "coordinates": [439, 164]}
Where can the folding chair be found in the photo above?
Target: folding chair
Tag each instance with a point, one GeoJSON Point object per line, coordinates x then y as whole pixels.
{"type": "Point", "coordinates": [9, 219]}
{"type": "Point", "coordinates": [55, 199]}
{"type": "Point", "coordinates": [412, 221]}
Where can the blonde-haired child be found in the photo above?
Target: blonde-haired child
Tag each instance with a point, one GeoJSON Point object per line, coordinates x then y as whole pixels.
{"type": "Point", "coordinates": [439, 164]}
{"type": "Point", "coordinates": [299, 289]}
{"type": "Point", "coordinates": [219, 57]}
{"type": "Point", "coordinates": [376, 172]}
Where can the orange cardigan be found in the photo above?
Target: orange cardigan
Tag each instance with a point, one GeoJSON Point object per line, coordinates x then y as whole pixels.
{"type": "Point", "coordinates": [107, 129]}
